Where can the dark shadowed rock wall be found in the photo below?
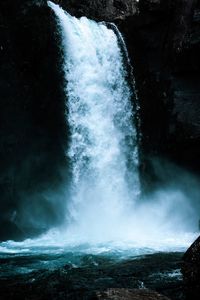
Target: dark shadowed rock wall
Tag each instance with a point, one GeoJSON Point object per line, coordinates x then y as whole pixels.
{"type": "Point", "coordinates": [32, 126]}
{"type": "Point", "coordinates": [163, 42]}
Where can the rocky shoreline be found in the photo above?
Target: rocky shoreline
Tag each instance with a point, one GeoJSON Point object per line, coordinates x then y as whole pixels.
{"type": "Point", "coordinates": [96, 277]}
{"type": "Point", "coordinates": [164, 276]}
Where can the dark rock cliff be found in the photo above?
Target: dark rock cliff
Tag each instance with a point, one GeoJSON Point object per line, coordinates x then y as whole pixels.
{"type": "Point", "coordinates": [32, 130]}
{"type": "Point", "coordinates": [163, 39]}
{"type": "Point", "coordinates": [101, 10]}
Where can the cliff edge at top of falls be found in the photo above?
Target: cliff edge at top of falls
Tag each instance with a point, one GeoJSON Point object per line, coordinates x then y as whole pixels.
{"type": "Point", "coordinates": [102, 10]}
{"type": "Point", "coordinates": [106, 10]}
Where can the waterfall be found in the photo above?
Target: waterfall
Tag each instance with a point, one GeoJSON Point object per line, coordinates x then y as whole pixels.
{"type": "Point", "coordinates": [103, 147]}
{"type": "Point", "coordinates": [103, 214]}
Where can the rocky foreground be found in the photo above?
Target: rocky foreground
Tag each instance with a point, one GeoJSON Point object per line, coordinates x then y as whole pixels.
{"type": "Point", "coordinates": [159, 276]}
{"type": "Point", "coordinates": [96, 277]}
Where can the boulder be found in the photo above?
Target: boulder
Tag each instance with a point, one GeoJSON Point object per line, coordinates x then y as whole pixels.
{"type": "Point", "coordinates": [191, 270]}
{"type": "Point", "coordinates": [130, 294]}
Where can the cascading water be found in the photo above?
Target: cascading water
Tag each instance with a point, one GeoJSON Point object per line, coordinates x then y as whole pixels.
{"type": "Point", "coordinates": [103, 148]}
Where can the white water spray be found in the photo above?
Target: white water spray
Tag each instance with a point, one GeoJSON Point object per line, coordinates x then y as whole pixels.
{"type": "Point", "coordinates": [103, 148]}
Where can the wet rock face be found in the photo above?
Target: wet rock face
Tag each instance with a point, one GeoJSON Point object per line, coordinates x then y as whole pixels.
{"type": "Point", "coordinates": [163, 43]}
{"type": "Point", "coordinates": [106, 10]}
{"type": "Point", "coordinates": [191, 270]}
